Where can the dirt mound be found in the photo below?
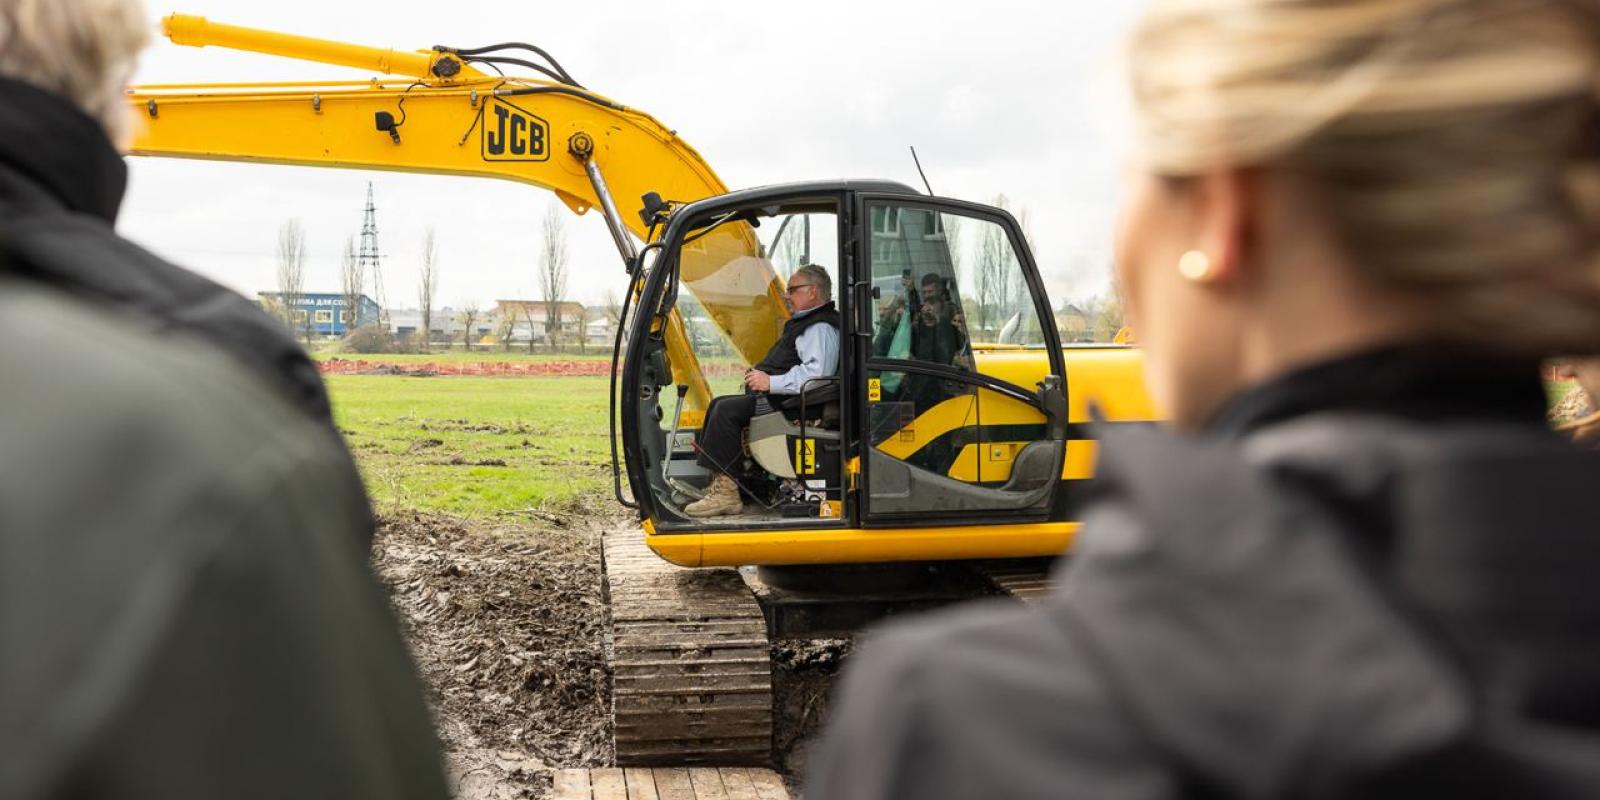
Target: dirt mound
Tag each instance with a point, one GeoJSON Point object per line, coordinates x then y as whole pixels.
{"type": "Point", "coordinates": [508, 628]}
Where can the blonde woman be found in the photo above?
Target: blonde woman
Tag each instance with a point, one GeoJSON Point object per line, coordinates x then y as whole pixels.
{"type": "Point", "coordinates": [1358, 564]}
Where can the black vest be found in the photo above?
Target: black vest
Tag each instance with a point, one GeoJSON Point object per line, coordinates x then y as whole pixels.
{"type": "Point", "coordinates": [784, 355]}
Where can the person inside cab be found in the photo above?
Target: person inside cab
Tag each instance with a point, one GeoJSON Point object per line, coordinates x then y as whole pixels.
{"type": "Point", "coordinates": [808, 348]}
{"type": "Point", "coordinates": [932, 333]}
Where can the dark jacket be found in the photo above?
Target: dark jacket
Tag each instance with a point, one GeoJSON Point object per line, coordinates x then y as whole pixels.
{"type": "Point", "coordinates": [61, 183]}
{"type": "Point", "coordinates": [185, 609]}
{"type": "Point", "coordinates": [784, 354]}
{"type": "Point", "coordinates": [1375, 578]}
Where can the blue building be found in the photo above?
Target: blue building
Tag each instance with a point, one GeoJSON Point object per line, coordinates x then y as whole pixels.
{"type": "Point", "coordinates": [325, 312]}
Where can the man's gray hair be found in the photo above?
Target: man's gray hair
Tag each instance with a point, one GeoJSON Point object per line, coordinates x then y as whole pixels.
{"type": "Point", "coordinates": [82, 50]}
{"type": "Point", "coordinates": [820, 275]}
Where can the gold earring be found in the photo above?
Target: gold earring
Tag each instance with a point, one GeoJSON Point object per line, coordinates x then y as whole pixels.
{"type": "Point", "coordinates": [1196, 266]}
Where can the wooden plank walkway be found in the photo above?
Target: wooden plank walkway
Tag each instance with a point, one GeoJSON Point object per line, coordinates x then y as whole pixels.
{"type": "Point", "coordinates": [669, 783]}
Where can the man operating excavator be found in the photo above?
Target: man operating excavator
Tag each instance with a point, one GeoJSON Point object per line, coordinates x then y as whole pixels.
{"type": "Point", "coordinates": [807, 349]}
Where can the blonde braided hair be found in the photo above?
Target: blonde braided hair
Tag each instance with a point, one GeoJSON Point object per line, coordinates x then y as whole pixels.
{"type": "Point", "coordinates": [1453, 144]}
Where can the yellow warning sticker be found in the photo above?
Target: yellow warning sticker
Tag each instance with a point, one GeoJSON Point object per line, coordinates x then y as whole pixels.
{"type": "Point", "coordinates": [874, 390]}
{"type": "Point", "coordinates": [805, 456]}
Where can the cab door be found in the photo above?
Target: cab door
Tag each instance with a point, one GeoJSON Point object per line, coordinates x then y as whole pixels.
{"type": "Point", "coordinates": [959, 400]}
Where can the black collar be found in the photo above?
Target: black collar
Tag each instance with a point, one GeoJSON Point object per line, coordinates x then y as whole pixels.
{"type": "Point", "coordinates": [1416, 382]}
{"type": "Point", "coordinates": [49, 143]}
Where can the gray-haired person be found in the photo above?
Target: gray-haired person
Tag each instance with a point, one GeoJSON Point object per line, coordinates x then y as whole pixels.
{"type": "Point", "coordinates": [186, 608]}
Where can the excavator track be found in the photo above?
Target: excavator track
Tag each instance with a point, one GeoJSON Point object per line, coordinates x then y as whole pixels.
{"type": "Point", "coordinates": [691, 666]}
{"type": "Point", "coordinates": [1027, 579]}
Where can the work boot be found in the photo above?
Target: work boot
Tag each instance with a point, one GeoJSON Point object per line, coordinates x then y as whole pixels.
{"type": "Point", "coordinates": [722, 499]}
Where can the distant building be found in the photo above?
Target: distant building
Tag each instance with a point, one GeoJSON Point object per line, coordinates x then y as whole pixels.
{"type": "Point", "coordinates": [446, 325]}
{"type": "Point", "coordinates": [529, 318]}
{"type": "Point", "coordinates": [326, 312]}
{"type": "Point", "coordinates": [599, 332]}
{"type": "Point", "coordinates": [1074, 324]}
{"type": "Point", "coordinates": [404, 323]}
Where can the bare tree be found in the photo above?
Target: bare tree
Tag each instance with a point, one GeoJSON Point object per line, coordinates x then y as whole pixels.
{"type": "Point", "coordinates": [292, 276]}
{"type": "Point", "coordinates": [553, 271]}
{"type": "Point", "coordinates": [613, 306]}
{"type": "Point", "coordinates": [990, 272]}
{"type": "Point", "coordinates": [504, 323]}
{"type": "Point", "coordinates": [469, 315]}
{"type": "Point", "coordinates": [1016, 296]}
{"type": "Point", "coordinates": [428, 286]}
{"type": "Point", "coordinates": [1109, 320]}
{"type": "Point", "coordinates": [527, 314]}
{"type": "Point", "coordinates": [789, 250]}
{"type": "Point", "coordinates": [953, 229]}
{"type": "Point", "coordinates": [350, 271]}
{"type": "Point", "coordinates": [583, 328]}
{"type": "Point", "coordinates": [1103, 315]}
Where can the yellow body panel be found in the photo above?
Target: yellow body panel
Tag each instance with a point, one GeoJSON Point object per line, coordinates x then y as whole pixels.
{"type": "Point", "coordinates": [1108, 377]}
{"type": "Point", "coordinates": [856, 545]}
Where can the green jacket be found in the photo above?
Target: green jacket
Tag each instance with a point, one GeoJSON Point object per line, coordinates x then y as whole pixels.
{"type": "Point", "coordinates": [185, 609]}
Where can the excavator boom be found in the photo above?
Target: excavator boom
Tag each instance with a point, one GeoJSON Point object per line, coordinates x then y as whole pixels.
{"type": "Point", "coordinates": [436, 113]}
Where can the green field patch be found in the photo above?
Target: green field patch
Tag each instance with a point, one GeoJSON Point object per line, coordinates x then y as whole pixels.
{"type": "Point", "coordinates": [477, 447]}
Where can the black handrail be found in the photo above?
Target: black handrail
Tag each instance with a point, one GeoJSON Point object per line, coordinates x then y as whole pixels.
{"type": "Point", "coordinates": [803, 387]}
{"type": "Point", "coordinates": [616, 356]}
{"type": "Point", "coordinates": [880, 364]}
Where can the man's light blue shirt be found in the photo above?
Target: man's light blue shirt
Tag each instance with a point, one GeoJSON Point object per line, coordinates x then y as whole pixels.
{"type": "Point", "coordinates": [819, 358]}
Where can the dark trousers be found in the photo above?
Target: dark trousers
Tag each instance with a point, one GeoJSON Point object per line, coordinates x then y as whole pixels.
{"type": "Point", "coordinates": [721, 440]}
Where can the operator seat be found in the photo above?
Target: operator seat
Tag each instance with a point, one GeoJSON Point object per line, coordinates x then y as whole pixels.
{"type": "Point", "coordinates": [806, 423]}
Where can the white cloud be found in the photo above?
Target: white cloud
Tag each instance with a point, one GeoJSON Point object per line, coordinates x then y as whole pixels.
{"type": "Point", "coordinates": [993, 95]}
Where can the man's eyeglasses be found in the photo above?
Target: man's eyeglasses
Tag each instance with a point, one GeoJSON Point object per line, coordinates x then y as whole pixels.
{"type": "Point", "coordinates": [794, 286]}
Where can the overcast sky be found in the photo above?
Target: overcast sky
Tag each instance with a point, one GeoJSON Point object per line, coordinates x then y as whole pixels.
{"type": "Point", "coordinates": [997, 96]}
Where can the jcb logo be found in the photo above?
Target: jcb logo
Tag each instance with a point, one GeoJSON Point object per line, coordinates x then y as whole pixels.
{"type": "Point", "coordinates": [511, 134]}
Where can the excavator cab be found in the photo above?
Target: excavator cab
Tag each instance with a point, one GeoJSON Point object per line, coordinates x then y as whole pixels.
{"type": "Point", "coordinates": [948, 409]}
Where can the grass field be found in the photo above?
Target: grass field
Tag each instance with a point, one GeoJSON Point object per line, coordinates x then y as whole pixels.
{"type": "Point", "coordinates": [476, 447]}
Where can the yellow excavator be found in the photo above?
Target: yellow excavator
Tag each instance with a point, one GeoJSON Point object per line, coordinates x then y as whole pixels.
{"type": "Point", "coordinates": [956, 425]}
{"type": "Point", "coordinates": [913, 459]}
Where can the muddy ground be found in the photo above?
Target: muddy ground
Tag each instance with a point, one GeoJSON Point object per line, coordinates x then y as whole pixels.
{"type": "Point", "coordinates": [508, 627]}
{"type": "Point", "coordinates": [803, 672]}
